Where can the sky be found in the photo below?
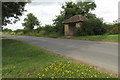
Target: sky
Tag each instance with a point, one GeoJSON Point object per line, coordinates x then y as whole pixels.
{"type": "Point", "coordinates": [47, 10]}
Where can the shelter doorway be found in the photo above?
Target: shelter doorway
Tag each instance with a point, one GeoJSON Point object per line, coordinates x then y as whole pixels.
{"type": "Point", "coordinates": [71, 29]}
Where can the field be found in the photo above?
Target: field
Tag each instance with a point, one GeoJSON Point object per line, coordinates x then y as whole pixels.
{"type": "Point", "coordinates": [21, 60]}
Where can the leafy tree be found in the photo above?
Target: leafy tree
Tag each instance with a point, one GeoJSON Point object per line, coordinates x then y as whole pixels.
{"type": "Point", "coordinates": [11, 11]}
{"type": "Point", "coordinates": [90, 16]}
{"type": "Point", "coordinates": [69, 9]}
{"type": "Point", "coordinates": [83, 8]}
{"type": "Point", "coordinates": [30, 22]}
{"type": "Point", "coordinates": [59, 27]}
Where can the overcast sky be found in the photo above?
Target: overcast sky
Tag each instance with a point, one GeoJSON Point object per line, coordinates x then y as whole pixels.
{"type": "Point", "coordinates": [47, 10]}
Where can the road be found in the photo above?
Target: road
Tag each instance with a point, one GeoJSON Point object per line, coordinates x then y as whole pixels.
{"type": "Point", "coordinates": [103, 55]}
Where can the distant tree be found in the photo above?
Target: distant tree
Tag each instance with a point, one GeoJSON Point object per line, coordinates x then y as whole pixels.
{"type": "Point", "coordinates": [1, 28]}
{"type": "Point", "coordinates": [113, 28]}
{"type": "Point", "coordinates": [7, 30]}
{"type": "Point", "coordinates": [11, 11]}
{"type": "Point", "coordinates": [48, 29]}
{"type": "Point", "coordinates": [30, 22]}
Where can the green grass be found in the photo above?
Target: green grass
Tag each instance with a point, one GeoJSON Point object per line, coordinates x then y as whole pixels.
{"type": "Point", "coordinates": [1, 37]}
{"type": "Point", "coordinates": [107, 38]}
{"type": "Point", "coordinates": [40, 35]}
{"type": "Point", "coordinates": [21, 60]}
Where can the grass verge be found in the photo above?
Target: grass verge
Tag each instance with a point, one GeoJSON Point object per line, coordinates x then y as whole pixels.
{"type": "Point", "coordinates": [105, 38]}
{"type": "Point", "coordinates": [21, 60]}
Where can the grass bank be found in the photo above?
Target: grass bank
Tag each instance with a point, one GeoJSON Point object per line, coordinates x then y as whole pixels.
{"type": "Point", "coordinates": [21, 60]}
{"type": "Point", "coordinates": [105, 38]}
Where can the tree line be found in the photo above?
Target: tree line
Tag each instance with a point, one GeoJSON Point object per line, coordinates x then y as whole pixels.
{"type": "Point", "coordinates": [94, 25]}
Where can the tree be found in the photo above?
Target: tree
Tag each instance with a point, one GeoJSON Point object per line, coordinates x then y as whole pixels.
{"type": "Point", "coordinates": [30, 22]}
{"type": "Point", "coordinates": [7, 30]}
{"type": "Point", "coordinates": [59, 27]}
{"type": "Point", "coordinates": [83, 8]}
{"type": "Point", "coordinates": [11, 11]}
{"type": "Point", "coordinates": [70, 9]}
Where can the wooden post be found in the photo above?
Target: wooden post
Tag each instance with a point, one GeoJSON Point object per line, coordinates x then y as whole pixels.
{"type": "Point", "coordinates": [66, 29]}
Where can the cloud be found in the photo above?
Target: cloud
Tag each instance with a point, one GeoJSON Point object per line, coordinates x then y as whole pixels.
{"type": "Point", "coordinates": [107, 9]}
{"type": "Point", "coordinates": [45, 3]}
{"type": "Point", "coordinates": [45, 13]}
{"type": "Point", "coordinates": [55, 1]}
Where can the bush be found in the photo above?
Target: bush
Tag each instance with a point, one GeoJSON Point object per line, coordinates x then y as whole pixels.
{"type": "Point", "coordinates": [79, 32]}
{"type": "Point", "coordinates": [48, 29]}
{"type": "Point", "coordinates": [26, 31]}
{"type": "Point", "coordinates": [19, 31]}
{"type": "Point", "coordinates": [38, 29]}
{"type": "Point", "coordinates": [42, 32]}
{"type": "Point", "coordinates": [91, 27]}
{"type": "Point", "coordinates": [7, 30]}
{"type": "Point", "coordinates": [113, 29]}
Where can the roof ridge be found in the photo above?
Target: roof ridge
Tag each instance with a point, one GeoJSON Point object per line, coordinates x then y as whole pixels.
{"type": "Point", "coordinates": [75, 18]}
